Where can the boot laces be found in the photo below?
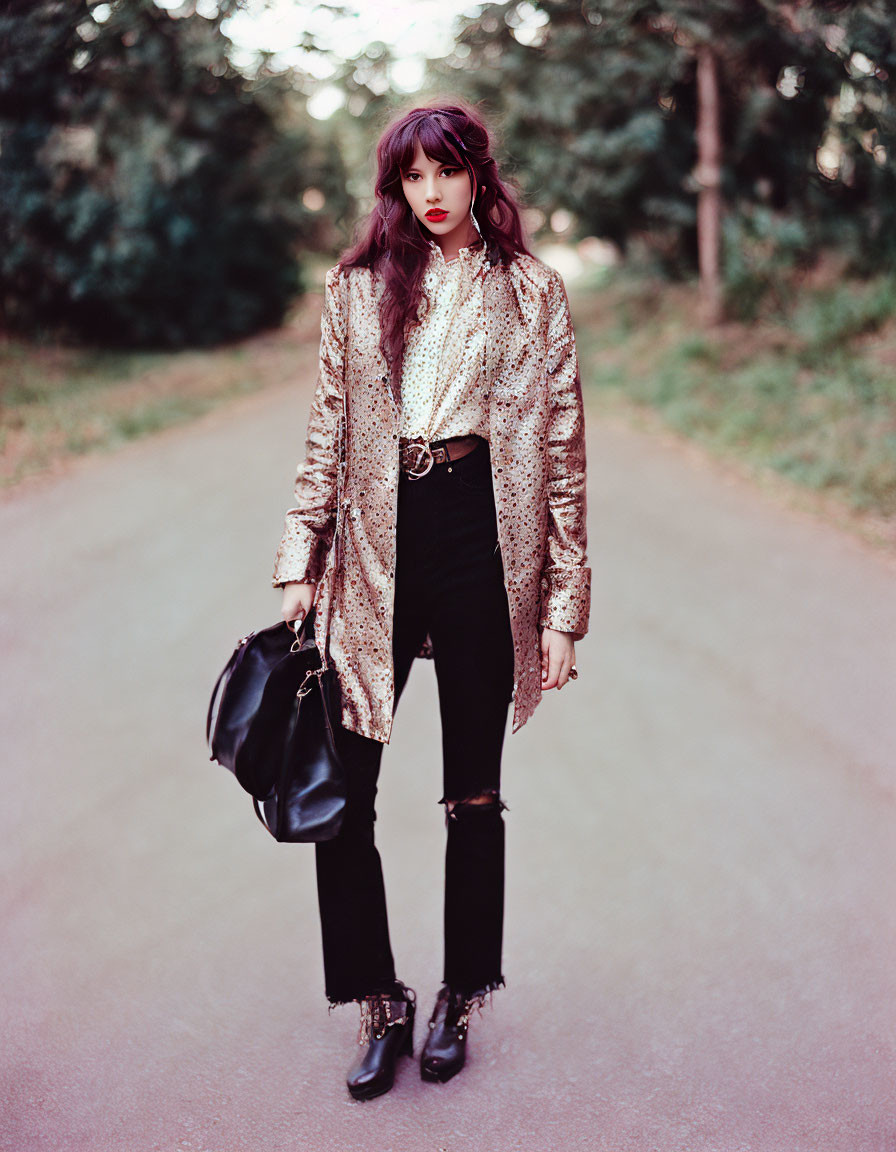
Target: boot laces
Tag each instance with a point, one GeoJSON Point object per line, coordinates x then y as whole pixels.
{"type": "Point", "coordinates": [381, 1012]}
{"type": "Point", "coordinates": [459, 1008]}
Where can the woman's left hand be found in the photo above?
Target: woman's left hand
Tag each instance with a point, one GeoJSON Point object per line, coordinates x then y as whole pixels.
{"type": "Point", "coordinates": [558, 654]}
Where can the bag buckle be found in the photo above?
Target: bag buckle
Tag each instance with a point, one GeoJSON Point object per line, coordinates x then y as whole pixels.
{"type": "Point", "coordinates": [303, 691]}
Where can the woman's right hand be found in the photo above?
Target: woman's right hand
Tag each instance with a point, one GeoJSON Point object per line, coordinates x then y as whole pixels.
{"type": "Point", "coordinates": [297, 601]}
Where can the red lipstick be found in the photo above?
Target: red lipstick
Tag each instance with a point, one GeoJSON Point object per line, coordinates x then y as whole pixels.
{"type": "Point", "coordinates": [436, 215]}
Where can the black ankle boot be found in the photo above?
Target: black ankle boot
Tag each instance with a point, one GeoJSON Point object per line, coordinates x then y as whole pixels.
{"type": "Point", "coordinates": [445, 1050]}
{"type": "Point", "coordinates": [387, 1030]}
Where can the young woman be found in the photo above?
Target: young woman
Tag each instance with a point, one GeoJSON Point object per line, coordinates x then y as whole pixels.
{"type": "Point", "coordinates": [440, 511]}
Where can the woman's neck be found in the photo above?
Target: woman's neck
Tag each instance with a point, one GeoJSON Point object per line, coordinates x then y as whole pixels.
{"type": "Point", "coordinates": [461, 237]}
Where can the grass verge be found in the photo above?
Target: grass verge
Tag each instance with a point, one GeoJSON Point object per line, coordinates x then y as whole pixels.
{"type": "Point", "coordinates": [809, 394]}
{"type": "Point", "coordinates": [59, 402]}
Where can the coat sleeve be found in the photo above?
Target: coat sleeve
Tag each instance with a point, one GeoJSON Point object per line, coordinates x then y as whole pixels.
{"type": "Point", "coordinates": [566, 579]}
{"type": "Point", "coordinates": [310, 523]}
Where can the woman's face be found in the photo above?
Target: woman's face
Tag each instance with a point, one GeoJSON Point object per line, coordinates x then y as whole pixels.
{"type": "Point", "coordinates": [440, 196]}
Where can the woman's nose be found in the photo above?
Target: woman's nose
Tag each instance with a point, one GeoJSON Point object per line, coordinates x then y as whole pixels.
{"type": "Point", "coordinates": [432, 192]}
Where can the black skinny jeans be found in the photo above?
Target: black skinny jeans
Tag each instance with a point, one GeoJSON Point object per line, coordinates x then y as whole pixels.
{"type": "Point", "coordinates": [449, 583]}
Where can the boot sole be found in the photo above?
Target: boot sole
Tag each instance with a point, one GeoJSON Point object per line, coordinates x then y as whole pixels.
{"type": "Point", "coordinates": [438, 1077]}
{"type": "Point", "coordinates": [367, 1094]}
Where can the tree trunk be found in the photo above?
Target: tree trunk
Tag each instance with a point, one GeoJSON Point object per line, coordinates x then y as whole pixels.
{"type": "Point", "coordinates": [708, 175]}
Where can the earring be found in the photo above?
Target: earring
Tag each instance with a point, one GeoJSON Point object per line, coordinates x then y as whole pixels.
{"type": "Point", "coordinates": [474, 220]}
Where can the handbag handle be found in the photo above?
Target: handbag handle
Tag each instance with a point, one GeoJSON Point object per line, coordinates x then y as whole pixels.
{"type": "Point", "coordinates": [298, 627]}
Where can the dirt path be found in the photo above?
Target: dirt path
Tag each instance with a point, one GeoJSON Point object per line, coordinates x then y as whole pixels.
{"type": "Point", "coordinates": [701, 835]}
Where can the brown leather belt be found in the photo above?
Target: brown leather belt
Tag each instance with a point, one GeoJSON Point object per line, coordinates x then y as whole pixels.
{"type": "Point", "coordinates": [416, 457]}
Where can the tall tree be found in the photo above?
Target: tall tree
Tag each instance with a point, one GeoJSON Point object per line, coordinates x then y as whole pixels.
{"type": "Point", "coordinates": [598, 104]}
{"type": "Point", "coordinates": [708, 175]}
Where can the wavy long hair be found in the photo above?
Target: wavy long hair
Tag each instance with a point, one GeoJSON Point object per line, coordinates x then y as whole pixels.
{"type": "Point", "coordinates": [392, 241]}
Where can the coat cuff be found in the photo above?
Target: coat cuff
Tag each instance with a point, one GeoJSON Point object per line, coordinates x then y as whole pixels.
{"type": "Point", "coordinates": [301, 556]}
{"type": "Point", "coordinates": [566, 600]}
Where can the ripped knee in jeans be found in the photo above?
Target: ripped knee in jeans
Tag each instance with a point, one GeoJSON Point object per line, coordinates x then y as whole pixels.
{"type": "Point", "coordinates": [488, 799]}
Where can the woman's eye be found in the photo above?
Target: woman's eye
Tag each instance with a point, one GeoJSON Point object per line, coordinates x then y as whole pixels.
{"type": "Point", "coordinates": [449, 171]}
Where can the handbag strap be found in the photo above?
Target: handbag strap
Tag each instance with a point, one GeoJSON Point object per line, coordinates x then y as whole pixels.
{"type": "Point", "coordinates": [315, 678]}
{"type": "Point", "coordinates": [341, 471]}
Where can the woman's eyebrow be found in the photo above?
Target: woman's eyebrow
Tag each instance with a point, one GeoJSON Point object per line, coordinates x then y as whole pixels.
{"type": "Point", "coordinates": [440, 163]}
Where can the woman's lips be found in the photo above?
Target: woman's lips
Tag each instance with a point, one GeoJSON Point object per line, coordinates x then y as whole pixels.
{"type": "Point", "coordinates": [436, 214]}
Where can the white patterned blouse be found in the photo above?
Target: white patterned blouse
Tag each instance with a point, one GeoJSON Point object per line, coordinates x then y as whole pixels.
{"type": "Point", "coordinates": [443, 389]}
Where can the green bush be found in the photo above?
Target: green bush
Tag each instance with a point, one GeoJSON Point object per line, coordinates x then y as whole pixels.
{"type": "Point", "coordinates": [760, 250]}
{"type": "Point", "coordinates": [827, 320]}
{"type": "Point", "coordinates": [148, 194]}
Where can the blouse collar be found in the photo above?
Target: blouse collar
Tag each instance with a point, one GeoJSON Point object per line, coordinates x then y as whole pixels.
{"type": "Point", "coordinates": [472, 256]}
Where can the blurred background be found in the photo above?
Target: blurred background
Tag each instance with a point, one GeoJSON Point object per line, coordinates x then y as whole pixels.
{"type": "Point", "coordinates": [717, 182]}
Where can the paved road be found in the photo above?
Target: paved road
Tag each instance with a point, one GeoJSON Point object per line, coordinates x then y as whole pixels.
{"type": "Point", "coordinates": [702, 833]}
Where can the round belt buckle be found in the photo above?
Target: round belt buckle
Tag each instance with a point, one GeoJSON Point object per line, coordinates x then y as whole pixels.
{"type": "Point", "coordinates": [423, 452]}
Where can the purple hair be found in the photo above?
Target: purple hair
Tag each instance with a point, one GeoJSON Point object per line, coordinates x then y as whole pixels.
{"type": "Point", "coordinates": [394, 244]}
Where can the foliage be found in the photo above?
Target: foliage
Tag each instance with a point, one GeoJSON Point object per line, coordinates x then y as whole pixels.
{"type": "Point", "coordinates": [828, 320]}
{"type": "Point", "coordinates": [149, 193]}
{"type": "Point", "coordinates": [761, 249]}
{"type": "Point", "coordinates": [862, 127]}
{"type": "Point", "coordinates": [597, 105]}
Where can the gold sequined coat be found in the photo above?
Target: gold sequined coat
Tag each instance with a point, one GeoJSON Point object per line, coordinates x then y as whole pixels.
{"type": "Point", "coordinates": [341, 531]}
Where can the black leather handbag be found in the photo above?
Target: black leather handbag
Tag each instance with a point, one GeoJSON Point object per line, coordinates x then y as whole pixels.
{"type": "Point", "coordinates": [271, 722]}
